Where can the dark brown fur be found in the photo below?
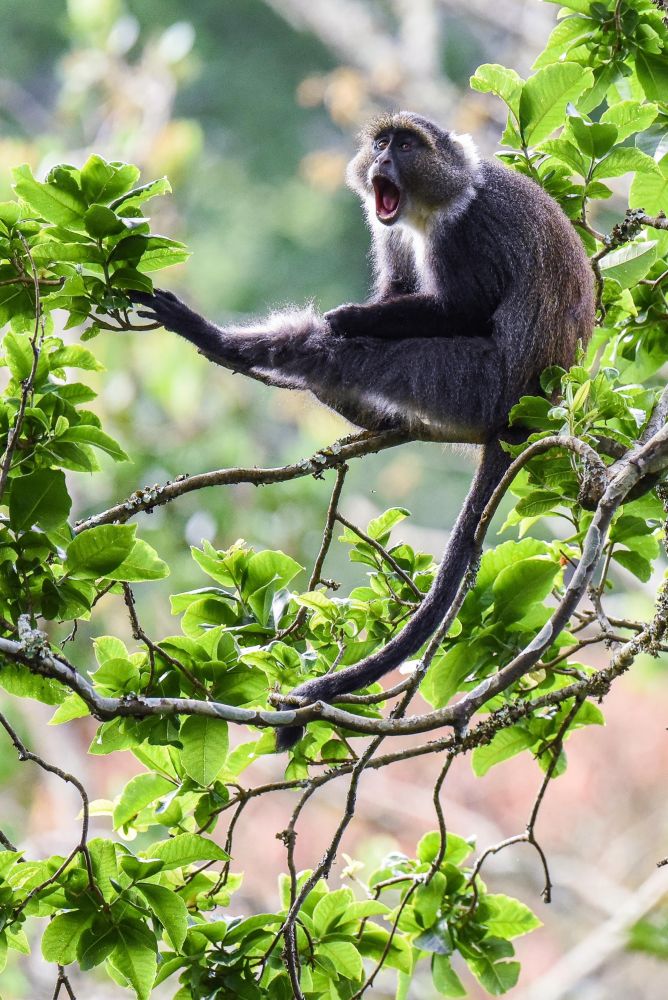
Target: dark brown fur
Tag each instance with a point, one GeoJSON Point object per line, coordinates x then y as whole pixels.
{"type": "Point", "coordinates": [480, 283]}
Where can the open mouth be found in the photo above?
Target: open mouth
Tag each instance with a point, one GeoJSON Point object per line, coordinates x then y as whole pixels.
{"type": "Point", "coordinates": [388, 197]}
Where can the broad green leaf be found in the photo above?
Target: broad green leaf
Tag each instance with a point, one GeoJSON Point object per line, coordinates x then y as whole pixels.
{"type": "Point", "coordinates": [593, 138]}
{"type": "Point", "coordinates": [102, 181]}
{"type": "Point", "coordinates": [625, 160]}
{"type": "Point", "coordinates": [650, 190]}
{"type": "Point", "coordinates": [380, 527]}
{"type": "Point", "coordinates": [445, 979]}
{"type": "Point", "coordinates": [139, 792]}
{"type": "Point", "coordinates": [331, 909]}
{"type": "Point", "coordinates": [345, 956]}
{"type": "Point", "coordinates": [491, 78]}
{"type": "Point", "coordinates": [161, 252]}
{"type": "Point", "coordinates": [506, 917]}
{"type": "Point", "coordinates": [140, 868]}
{"type": "Point", "coordinates": [75, 356]}
{"type": "Point", "coordinates": [61, 936]}
{"type": "Point", "coordinates": [53, 203]}
{"type": "Point", "coordinates": [205, 745]}
{"type": "Point", "coordinates": [496, 977]}
{"type": "Point", "coordinates": [136, 197]}
{"type": "Point", "coordinates": [457, 848]}
{"type": "Point", "coordinates": [100, 221]}
{"type": "Point", "coordinates": [634, 563]}
{"type": "Point", "coordinates": [186, 849]}
{"type": "Point", "coordinates": [17, 679]}
{"type": "Point", "coordinates": [506, 743]}
{"type": "Point", "coordinates": [630, 117]}
{"type": "Point", "coordinates": [447, 673]}
{"type": "Point", "coordinates": [39, 498]}
{"type": "Point", "coordinates": [170, 910]}
{"type": "Point", "coordinates": [98, 551]}
{"type": "Point", "coordinates": [142, 563]}
{"type": "Point", "coordinates": [134, 957]}
{"type": "Point", "coordinates": [266, 573]}
{"type": "Point", "coordinates": [652, 72]}
{"type": "Point", "coordinates": [522, 584]}
{"type": "Point", "coordinates": [88, 434]}
{"type": "Point", "coordinates": [545, 96]}
{"type": "Point", "coordinates": [630, 263]}
{"type": "Point", "coordinates": [19, 354]}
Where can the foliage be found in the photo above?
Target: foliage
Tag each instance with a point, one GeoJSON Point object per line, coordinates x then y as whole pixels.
{"type": "Point", "coordinates": [79, 242]}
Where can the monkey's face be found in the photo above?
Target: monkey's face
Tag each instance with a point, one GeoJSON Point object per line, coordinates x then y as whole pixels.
{"type": "Point", "coordinates": [407, 168]}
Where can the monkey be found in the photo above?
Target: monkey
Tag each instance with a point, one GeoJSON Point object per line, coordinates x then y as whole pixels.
{"type": "Point", "coordinates": [480, 283]}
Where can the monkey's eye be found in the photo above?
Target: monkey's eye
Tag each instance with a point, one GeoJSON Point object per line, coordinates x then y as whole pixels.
{"type": "Point", "coordinates": [382, 143]}
{"type": "Point", "coordinates": [405, 145]}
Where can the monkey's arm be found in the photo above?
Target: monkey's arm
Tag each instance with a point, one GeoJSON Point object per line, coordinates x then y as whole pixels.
{"type": "Point", "coordinates": [407, 317]}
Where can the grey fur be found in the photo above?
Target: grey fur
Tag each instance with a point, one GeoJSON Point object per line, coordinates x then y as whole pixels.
{"type": "Point", "coordinates": [480, 283]}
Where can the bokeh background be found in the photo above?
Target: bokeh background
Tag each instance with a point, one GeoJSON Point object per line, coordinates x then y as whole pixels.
{"type": "Point", "coordinates": [250, 108]}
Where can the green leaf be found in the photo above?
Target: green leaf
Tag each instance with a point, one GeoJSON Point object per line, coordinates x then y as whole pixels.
{"type": "Point", "coordinates": [75, 356]}
{"type": "Point", "coordinates": [20, 681]}
{"type": "Point", "coordinates": [162, 252]}
{"type": "Point", "coordinates": [102, 181]}
{"type": "Point", "coordinates": [490, 78]}
{"type": "Point", "coordinates": [625, 160]}
{"type": "Point", "coordinates": [136, 197]}
{"type": "Point", "coordinates": [522, 584]}
{"type": "Point", "coordinates": [650, 191]}
{"type": "Point", "coordinates": [135, 958]}
{"type": "Point", "coordinates": [506, 743]}
{"type": "Point", "coordinates": [447, 674]}
{"type": "Point", "coordinates": [445, 979]}
{"type": "Point", "coordinates": [496, 977]}
{"type": "Point", "coordinates": [380, 527]}
{"type": "Point", "coordinates": [39, 498]}
{"type": "Point", "coordinates": [545, 96]}
{"type": "Point", "coordinates": [61, 936]}
{"type": "Point", "coordinates": [143, 563]}
{"type": "Point", "coordinates": [170, 910]}
{"type": "Point", "coordinates": [345, 956]}
{"type": "Point", "coordinates": [88, 434]}
{"type": "Point", "coordinates": [139, 792]}
{"type": "Point", "coordinates": [266, 573]}
{"type": "Point", "coordinates": [593, 138]}
{"type": "Point", "coordinates": [98, 551]}
{"type": "Point", "coordinates": [330, 909]}
{"type": "Point", "coordinates": [630, 117]}
{"type": "Point", "coordinates": [185, 849]}
{"type": "Point", "coordinates": [205, 745]}
{"type": "Point", "coordinates": [19, 355]}
{"type": "Point", "coordinates": [630, 263]}
{"type": "Point", "coordinates": [101, 221]}
{"type": "Point", "coordinates": [634, 563]}
{"type": "Point", "coordinates": [652, 72]}
{"type": "Point", "coordinates": [506, 917]}
{"type": "Point", "coordinates": [140, 868]}
{"type": "Point", "coordinates": [56, 204]}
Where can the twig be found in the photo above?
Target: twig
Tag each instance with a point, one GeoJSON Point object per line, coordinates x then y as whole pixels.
{"type": "Point", "coordinates": [327, 534]}
{"type": "Point", "coordinates": [383, 553]}
{"type": "Point", "coordinates": [27, 384]}
{"type": "Point", "coordinates": [330, 457]}
{"type": "Point", "coordinates": [82, 847]}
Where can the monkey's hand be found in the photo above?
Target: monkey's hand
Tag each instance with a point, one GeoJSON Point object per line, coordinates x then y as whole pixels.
{"type": "Point", "coordinates": [168, 310]}
{"type": "Point", "coordinates": [351, 321]}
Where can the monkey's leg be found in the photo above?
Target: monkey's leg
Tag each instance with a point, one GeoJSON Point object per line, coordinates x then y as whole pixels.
{"type": "Point", "coordinates": [408, 316]}
{"type": "Point", "coordinates": [457, 384]}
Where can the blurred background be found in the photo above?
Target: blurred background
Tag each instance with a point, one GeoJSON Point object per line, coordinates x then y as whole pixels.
{"type": "Point", "coordinates": [251, 108]}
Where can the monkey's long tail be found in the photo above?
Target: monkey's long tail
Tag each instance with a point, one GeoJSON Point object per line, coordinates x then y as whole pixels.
{"type": "Point", "coordinates": [431, 612]}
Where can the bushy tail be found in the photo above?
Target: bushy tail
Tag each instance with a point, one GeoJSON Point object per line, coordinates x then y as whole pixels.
{"type": "Point", "coordinates": [431, 612]}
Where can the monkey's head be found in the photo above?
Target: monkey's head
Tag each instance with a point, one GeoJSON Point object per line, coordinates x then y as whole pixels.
{"type": "Point", "coordinates": [407, 168]}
